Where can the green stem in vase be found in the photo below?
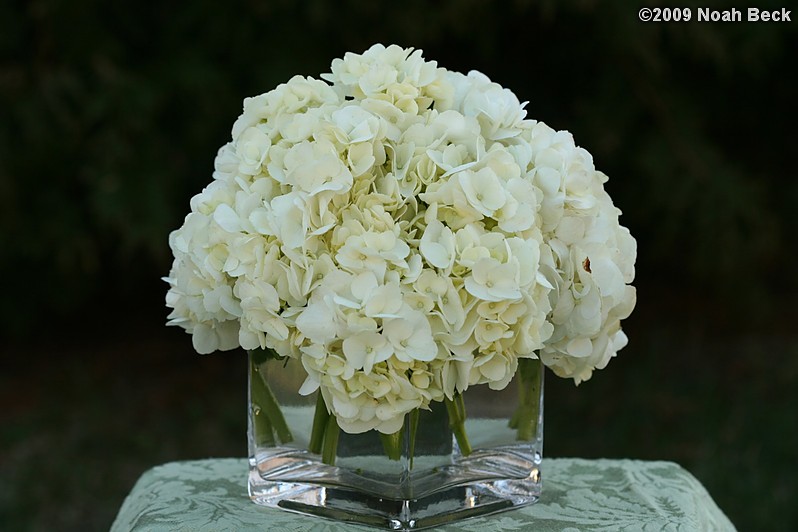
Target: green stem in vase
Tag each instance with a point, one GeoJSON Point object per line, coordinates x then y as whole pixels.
{"type": "Point", "coordinates": [330, 446]}
{"type": "Point", "coordinates": [267, 409]}
{"type": "Point", "coordinates": [392, 444]}
{"type": "Point", "coordinates": [456, 410]}
{"type": "Point", "coordinates": [513, 423]}
{"type": "Point", "coordinates": [414, 414]}
{"type": "Point", "coordinates": [525, 418]}
{"type": "Point", "coordinates": [262, 426]}
{"type": "Point", "coordinates": [324, 432]}
{"type": "Point", "coordinates": [264, 432]}
{"type": "Point", "coordinates": [459, 400]}
{"type": "Point", "coordinates": [320, 417]}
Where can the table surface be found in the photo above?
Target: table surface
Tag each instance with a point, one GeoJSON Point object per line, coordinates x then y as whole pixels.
{"type": "Point", "coordinates": [578, 495]}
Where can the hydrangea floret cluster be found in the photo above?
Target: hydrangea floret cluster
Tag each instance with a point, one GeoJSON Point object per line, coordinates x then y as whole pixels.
{"type": "Point", "coordinates": [405, 232]}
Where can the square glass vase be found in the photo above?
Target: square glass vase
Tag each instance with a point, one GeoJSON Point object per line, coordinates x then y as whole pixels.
{"type": "Point", "coordinates": [429, 475]}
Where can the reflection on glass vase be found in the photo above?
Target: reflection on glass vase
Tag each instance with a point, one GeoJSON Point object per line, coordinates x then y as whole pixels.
{"type": "Point", "coordinates": [477, 454]}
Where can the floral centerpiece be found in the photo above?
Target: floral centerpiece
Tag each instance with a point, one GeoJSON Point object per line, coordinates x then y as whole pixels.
{"type": "Point", "coordinates": [403, 233]}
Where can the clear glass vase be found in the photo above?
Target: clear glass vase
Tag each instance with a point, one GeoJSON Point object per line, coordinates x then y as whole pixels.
{"type": "Point", "coordinates": [429, 475]}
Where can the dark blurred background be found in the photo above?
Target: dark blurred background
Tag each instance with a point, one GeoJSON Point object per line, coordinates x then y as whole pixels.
{"type": "Point", "coordinates": [110, 118]}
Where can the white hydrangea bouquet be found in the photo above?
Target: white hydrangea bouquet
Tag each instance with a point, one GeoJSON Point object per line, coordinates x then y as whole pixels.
{"type": "Point", "coordinates": [405, 233]}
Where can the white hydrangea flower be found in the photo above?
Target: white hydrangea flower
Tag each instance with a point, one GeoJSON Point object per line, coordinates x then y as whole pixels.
{"type": "Point", "coordinates": [438, 245]}
{"type": "Point", "coordinates": [405, 232]}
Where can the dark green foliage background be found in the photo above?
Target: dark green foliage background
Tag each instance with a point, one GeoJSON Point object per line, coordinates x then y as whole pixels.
{"type": "Point", "coordinates": [111, 114]}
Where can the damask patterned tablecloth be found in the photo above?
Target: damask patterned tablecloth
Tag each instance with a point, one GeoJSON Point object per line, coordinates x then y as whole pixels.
{"type": "Point", "coordinates": [578, 495]}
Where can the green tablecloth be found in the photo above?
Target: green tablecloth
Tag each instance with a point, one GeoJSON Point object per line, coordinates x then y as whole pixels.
{"type": "Point", "coordinates": [608, 495]}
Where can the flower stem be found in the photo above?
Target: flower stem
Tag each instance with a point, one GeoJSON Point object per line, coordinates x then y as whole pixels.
{"type": "Point", "coordinates": [456, 410]}
{"type": "Point", "coordinates": [460, 402]}
{"type": "Point", "coordinates": [414, 414]}
{"type": "Point", "coordinates": [320, 417]}
{"type": "Point", "coordinates": [330, 446]}
{"type": "Point", "coordinates": [392, 444]}
{"type": "Point", "coordinates": [269, 418]}
{"type": "Point", "coordinates": [324, 432]}
{"type": "Point", "coordinates": [525, 418]}
{"type": "Point", "coordinates": [264, 431]}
